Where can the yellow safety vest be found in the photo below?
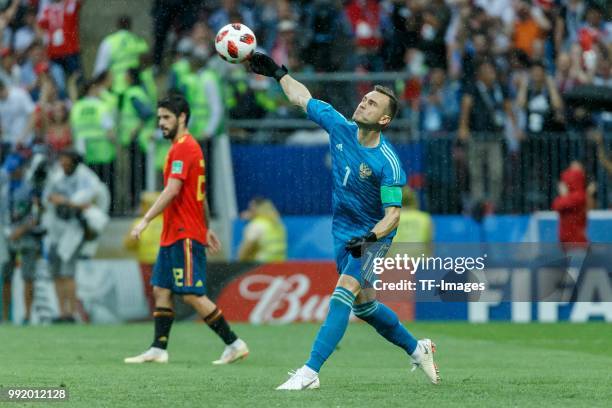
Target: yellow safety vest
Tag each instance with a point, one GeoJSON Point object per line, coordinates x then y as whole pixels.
{"type": "Point", "coordinates": [125, 50]}
{"type": "Point", "coordinates": [129, 119]}
{"type": "Point", "coordinates": [272, 246]}
{"type": "Point", "coordinates": [86, 119]}
{"type": "Point", "coordinates": [414, 226]}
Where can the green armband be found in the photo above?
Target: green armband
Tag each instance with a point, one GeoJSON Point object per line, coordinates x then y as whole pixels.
{"type": "Point", "coordinates": [390, 195]}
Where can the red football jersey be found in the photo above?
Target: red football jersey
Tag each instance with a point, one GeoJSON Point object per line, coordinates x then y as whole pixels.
{"type": "Point", "coordinates": [184, 217]}
{"type": "Point", "coordinates": [60, 21]}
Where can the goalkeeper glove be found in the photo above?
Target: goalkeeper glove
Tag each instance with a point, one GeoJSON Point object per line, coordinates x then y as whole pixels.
{"type": "Point", "coordinates": [264, 65]}
{"type": "Point", "coordinates": [355, 245]}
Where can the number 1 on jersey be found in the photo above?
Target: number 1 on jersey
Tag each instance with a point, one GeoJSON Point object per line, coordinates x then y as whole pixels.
{"type": "Point", "coordinates": [346, 176]}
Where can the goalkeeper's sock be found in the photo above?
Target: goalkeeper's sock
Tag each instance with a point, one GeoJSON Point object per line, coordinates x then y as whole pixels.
{"type": "Point", "coordinates": [217, 323]}
{"type": "Point", "coordinates": [333, 328]}
{"type": "Point", "coordinates": [163, 323]}
{"type": "Point", "coordinates": [386, 323]}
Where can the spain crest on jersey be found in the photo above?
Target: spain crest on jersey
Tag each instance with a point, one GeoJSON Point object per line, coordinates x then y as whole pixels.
{"type": "Point", "coordinates": [364, 171]}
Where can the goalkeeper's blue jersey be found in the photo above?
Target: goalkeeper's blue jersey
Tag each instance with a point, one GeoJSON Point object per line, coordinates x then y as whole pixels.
{"type": "Point", "coordinates": [358, 174]}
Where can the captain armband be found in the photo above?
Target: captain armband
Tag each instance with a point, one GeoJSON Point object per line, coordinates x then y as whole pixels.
{"type": "Point", "coordinates": [391, 195]}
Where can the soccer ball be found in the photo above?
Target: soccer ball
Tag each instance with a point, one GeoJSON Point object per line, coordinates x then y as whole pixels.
{"type": "Point", "coordinates": [235, 43]}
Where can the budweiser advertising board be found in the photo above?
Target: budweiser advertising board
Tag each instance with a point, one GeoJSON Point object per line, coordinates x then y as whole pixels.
{"type": "Point", "coordinates": [286, 292]}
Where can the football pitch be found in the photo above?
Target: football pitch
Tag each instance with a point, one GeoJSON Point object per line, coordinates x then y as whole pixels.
{"type": "Point", "coordinates": [481, 365]}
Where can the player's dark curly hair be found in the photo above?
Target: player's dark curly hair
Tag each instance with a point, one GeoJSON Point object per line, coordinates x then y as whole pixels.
{"type": "Point", "coordinates": [177, 104]}
{"type": "Point", "coordinates": [393, 104]}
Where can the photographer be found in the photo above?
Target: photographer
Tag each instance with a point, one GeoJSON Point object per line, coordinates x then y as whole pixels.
{"type": "Point", "coordinates": [21, 230]}
{"type": "Point", "coordinates": [79, 204]}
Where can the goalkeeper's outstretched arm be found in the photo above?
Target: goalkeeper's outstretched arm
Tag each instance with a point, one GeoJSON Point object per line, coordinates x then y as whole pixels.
{"type": "Point", "coordinates": [295, 91]}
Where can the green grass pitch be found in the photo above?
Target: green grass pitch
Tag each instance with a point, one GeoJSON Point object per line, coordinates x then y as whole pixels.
{"type": "Point", "coordinates": [481, 365]}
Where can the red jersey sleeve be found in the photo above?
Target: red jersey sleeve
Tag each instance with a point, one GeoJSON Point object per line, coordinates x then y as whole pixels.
{"type": "Point", "coordinates": [181, 161]}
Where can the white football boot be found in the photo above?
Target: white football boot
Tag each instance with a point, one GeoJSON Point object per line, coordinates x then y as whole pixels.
{"type": "Point", "coordinates": [301, 379]}
{"type": "Point", "coordinates": [152, 355]}
{"type": "Point", "coordinates": [233, 352]}
{"type": "Point", "coordinates": [423, 358]}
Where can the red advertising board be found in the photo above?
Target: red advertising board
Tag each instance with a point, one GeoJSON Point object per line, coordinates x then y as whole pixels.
{"type": "Point", "coordinates": [286, 292]}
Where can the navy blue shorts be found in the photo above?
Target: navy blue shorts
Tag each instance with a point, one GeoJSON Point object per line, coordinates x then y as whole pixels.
{"type": "Point", "coordinates": [346, 264]}
{"type": "Point", "coordinates": [181, 267]}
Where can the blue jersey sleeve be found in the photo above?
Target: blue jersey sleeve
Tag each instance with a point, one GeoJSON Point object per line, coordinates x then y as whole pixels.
{"type": "Point", "coordinates": [393, 174]}
{"type": "Point", "coordinates": [324, 115]}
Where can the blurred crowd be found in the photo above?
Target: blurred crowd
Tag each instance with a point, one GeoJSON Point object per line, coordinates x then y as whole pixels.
{"type": "Point", "coordinates": [486, 80]}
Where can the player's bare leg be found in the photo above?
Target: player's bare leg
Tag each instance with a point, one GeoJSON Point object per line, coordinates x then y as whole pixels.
{"type": "Point", "coordinates": [330, 334]}
{"type": "Point", "coordinates": [386, 323]}
{"type": "Point", "coordinates": [235, 348]}
{"type": "Point", "coordinates": [164, 317]}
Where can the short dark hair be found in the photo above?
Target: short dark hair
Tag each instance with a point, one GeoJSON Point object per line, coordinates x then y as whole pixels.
{"type": "Point", "coordinates": [72, 154]}
{"type": "Point", "coordinates": [393, 104]}
{"type": "Point", "coordinates": [124, 22]}
{"type": "Point", "coordinates": [539, 64]}
{"type": "Point", "coordinates": [177, 104]}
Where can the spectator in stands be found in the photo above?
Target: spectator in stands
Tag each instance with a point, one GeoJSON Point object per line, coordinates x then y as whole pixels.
{"type": "Point", "coordinates": [365, 18]}
{"type": "Point", "coordinates": [231, 11]}
{"type": "Point", "coordinates": [264, 238]}
{"type": "Point", "coordinates": [566, 76]}
{"type": "Point", "coordinates": [568, 22]}
{"type": "Point", "coordinates": [60, 21]}
{"type": "Point", "coordinates": [10, 72]}
{"type": "Point", "coordinates": [540, 102]}
{"type": "Point", "coordinates": [76, 200]}
{"type": "Point", "coordinates": [439, 105]}
{"type": "Point", "coordinates": [148, 245]}
{"type": "Point", "coordinates": [166, 13]}
{"type": "Point", "coordinates": [23, 232]}
{"type": "Point", "coordinates": [43, 110]}
{"type": "Point", "coordinates": [26, 34]}
{"type": "Point", "coordinates": [271, 14]}
{"type": "Point", "coordinates": [539, 98]}
{"type": "Point", "coordinates": [119, 52]}
{"type": "Point", "coordinates": [571, 204]}
{"type": "Point", "coordinates": [6, 18]}
{"type": "Point", "coordinates": [438, 118]}
{"type": "Point", "coordinates": [530, 27]}
{"type": "Point", "coordinates": [58, 135]}
{"type": "Point", "coordinates": [485, 107]}
{"type": "Point", "coordinates": [327, 36]}
{"type": "Point", "coordinates": [401, 32]}
{"type": "Point", "coordinates": [286, 43]}
{"type": "Point", "coordinates": [39, 68]}
{"type": "Point", "coordinates": [431, 37]}
{"type": "Point", "coordinates": [16, 107]}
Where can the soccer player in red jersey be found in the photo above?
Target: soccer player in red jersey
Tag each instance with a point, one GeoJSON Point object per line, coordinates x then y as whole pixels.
{"type": "Point", "coordinates": [181, 264]}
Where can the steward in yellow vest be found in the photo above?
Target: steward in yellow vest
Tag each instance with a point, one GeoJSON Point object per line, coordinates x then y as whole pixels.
{"type": "Point", "coordinates": [92, 128]}
{"type": "Point", "coordinates": [264, 238]}
{"type": "Point", "coordinates": [119, 52]}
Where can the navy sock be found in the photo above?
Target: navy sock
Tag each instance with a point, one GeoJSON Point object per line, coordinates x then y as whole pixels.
{"type": "Point", "coordinates": [333, 328]}
{"type": "Point", "coordinates": [216, 321]}
{"type": "Point", "coordinates": [386, 323]}
{"type": "Point", "coordinates": [163, 323]}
